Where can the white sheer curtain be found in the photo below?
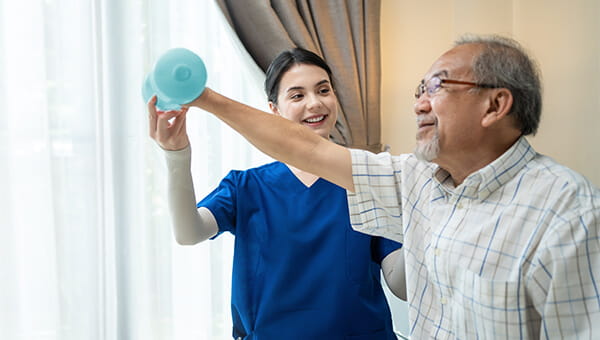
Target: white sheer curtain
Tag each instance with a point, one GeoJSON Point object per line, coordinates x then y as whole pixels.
{"type": "Point", "coordinates": [86, 248]}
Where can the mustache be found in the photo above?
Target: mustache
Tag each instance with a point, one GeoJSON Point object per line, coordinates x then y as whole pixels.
{"type": "Point", "coordinates": [424, 119]}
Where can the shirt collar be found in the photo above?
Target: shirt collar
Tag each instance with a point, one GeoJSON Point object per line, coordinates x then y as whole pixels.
{"type": "Point", "coordinates": [480, 184]}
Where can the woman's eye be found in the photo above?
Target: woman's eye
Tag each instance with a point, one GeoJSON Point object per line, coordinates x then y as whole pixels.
{"type": "Point", "coordinates": [296, 96]}
{"type": "Point", "coordinates": [325, 90]}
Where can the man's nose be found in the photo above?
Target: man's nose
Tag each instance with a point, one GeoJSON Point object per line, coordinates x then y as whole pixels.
{"type": "Point", "coordinates": [422, 105]}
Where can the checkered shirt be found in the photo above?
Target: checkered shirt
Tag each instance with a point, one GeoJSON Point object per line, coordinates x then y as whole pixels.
{"type": "Point", "coordinates": [511, 253]}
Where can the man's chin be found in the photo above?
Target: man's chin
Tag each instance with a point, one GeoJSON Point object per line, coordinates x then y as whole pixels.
{"type": "Point", "coordinates": [422, 157]}
{"type": "Point", "coordinates": [427, 152]}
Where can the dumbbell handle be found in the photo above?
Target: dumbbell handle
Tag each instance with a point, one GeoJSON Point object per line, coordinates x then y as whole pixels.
{"type": "Point", "coordinates": [178, 77]}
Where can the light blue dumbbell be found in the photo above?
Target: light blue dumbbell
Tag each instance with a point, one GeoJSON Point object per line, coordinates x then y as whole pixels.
{"type": "Point", "coordinates": [178, 77]}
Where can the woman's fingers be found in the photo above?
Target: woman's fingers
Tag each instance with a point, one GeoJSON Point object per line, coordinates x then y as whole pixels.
{"type": "Point", "coordinates": [167, 128]}
{"type": "Point", "coordinates": [152, 116]}
{"type": "Point", "coordinates": [171, 133]}
{"type": "Point", "coordinates": [178, 124]}
{"type": "Point", "coordinates": [160, 120]}
{"type": "Point", "coordinates": [165, 119]}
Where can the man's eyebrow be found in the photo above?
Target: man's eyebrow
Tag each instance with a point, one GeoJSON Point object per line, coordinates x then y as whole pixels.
{"type": "Point", "coordinates": [440, 73]}
{"type": "Point", "coordinates": [437, 74]}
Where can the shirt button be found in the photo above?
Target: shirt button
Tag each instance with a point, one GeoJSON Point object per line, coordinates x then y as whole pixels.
{"type": "Point", "coordinates": [437, 252]}
{"type": "Point", "coordinates": [443, 301]}
{"type": "Point", "coordinates": [459, 206]}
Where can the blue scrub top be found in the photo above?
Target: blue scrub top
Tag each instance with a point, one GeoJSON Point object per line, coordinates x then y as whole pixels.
{"type": "Point", "coordinates": [299, 270]}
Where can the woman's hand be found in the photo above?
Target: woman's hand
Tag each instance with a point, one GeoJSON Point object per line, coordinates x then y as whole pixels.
{"type": "Point", "coordinates": [168, 128]}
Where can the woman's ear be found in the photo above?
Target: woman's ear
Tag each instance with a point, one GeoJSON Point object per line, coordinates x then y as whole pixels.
{"type": "Point", "coordinates": [274, 108]}
{"type": "Point", "coordinates": [499, 104]}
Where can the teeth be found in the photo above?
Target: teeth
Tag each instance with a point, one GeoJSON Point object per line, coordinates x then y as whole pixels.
{"type": "Point", "coordinates": [315, 120]}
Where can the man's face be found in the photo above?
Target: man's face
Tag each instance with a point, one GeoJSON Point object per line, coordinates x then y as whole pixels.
{"type": "Point", "coordinates": [448, 120]}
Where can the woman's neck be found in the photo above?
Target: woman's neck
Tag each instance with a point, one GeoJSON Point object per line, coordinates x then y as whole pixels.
{"type": "Point", "coordinates": [306, 178]}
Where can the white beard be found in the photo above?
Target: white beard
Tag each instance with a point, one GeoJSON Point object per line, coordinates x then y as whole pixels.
{"type": "Point", "coordinates": [430, 150]}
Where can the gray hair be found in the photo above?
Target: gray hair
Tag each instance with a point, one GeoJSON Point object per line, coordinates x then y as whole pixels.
{"type": "Point", "coordinates": [504, 63]}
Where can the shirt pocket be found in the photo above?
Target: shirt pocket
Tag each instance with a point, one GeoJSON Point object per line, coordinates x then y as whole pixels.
{"type": "Point", "coordinates": [489, 309]}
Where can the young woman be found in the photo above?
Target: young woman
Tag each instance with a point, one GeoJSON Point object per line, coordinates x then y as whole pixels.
{"type": "Point", "coordinates": [299, 271]}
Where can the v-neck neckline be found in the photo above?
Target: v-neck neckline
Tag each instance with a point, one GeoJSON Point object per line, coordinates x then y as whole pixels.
{"type": "Point", "coordinates": [299, 181]}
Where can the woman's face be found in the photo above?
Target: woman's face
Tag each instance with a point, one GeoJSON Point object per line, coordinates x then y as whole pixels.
{"type": "Point", "coordinates": [306, 96]}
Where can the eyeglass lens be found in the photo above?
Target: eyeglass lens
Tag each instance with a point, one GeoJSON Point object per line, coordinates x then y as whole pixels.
{"type": "Point", "coordinates": [431, 86]}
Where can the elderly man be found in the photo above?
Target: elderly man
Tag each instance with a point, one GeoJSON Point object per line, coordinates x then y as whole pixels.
{"type": "Point", "coordinates": [499, 241]}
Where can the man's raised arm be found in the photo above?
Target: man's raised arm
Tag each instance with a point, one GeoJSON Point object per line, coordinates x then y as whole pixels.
{"type": "Point", "coordinates": [282, 139]}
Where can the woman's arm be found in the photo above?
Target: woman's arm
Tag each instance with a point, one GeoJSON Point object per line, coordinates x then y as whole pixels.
{"type": "Point", "coordinates": [168, 129]}
{"type": "Point", "coordinates": [282, 139]}
{"type": "Point", "coordinates": [190, 225]}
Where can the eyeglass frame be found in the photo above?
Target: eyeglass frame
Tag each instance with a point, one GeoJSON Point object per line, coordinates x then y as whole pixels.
{"type": "Point", "coordinates": [422, 87]}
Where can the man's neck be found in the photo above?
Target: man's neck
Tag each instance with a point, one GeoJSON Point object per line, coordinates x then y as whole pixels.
{"type": "Point", "coordinates": [463, 164]}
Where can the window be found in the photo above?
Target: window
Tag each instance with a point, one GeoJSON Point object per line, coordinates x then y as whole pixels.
{"type": "Point", "coordinates": [86, 248]}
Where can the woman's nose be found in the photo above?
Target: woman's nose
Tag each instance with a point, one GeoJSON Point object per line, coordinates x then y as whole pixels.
{"type": "Point", "coordinates": [314, 102]}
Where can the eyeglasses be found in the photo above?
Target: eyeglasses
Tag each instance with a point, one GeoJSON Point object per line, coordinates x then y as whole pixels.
{"type": "Point", "coordinates": [434, 84]}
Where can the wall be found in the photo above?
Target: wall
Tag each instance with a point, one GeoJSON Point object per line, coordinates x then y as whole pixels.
{"type": "Point", "coordinates": [563, 36]}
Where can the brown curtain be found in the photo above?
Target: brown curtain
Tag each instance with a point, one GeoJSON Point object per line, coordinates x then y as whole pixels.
{"type": "Point", "coordinates": [344, 32]}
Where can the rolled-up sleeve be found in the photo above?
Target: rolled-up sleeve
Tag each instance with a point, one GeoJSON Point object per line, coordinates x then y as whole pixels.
{"type": "Point", "coordinates": [375, 205]}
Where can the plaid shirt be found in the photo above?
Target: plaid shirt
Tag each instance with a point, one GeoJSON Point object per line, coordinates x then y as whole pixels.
{"type": "Point", "coordinates": [511, 253]}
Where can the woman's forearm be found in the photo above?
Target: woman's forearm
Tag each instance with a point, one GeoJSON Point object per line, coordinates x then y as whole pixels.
{"type": "Point", "coordinates": [190, 225]}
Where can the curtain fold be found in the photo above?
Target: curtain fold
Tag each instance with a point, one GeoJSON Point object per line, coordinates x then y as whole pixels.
{"type": "Point", "coordinates": [86, 247]}
{"type": "Point", "coordinates": [344, 32]}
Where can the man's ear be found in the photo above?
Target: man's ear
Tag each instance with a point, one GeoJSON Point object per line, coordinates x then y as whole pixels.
{"type": "Point", "coordinates": [274, 109]}
{"type": "Point", "coordinates": [499, 104]}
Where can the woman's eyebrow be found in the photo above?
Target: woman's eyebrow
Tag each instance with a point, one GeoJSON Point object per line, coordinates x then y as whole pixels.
{"type": "Point", "coordinates": [293, 88]}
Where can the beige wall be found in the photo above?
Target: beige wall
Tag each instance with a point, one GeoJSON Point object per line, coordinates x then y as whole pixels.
{"type": "Point", "coordinates": [563, 36]}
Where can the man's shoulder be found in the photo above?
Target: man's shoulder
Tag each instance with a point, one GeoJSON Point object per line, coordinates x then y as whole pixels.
{"type": "Point", "coordinates": [545, 166]}
{"type": "Point", "coordinates": [566, 184]}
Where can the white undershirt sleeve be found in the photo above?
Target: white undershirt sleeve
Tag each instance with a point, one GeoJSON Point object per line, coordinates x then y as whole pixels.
{"type": "Point", "coordinates": [394, 273]}
{"type": "Point", "coordinates": [191, 225]}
